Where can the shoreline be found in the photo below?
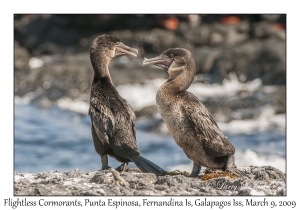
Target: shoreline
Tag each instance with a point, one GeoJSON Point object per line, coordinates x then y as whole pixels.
{"type": "Point", "coordinates": [264, 181]}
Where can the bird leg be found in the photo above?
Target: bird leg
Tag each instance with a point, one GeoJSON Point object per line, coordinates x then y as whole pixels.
{"type": "Point", "coordinates": [231, 167]}
{"type": "Point", "coordinates": [230, 162]}
{"type": "Point", "coordinates": [104, 161]}
{"type": "Point", "coordinates": [122, 167]}
{"type": "Point", "coordinates": [196, 170]}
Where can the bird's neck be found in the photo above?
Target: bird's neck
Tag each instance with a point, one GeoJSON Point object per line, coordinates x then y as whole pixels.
{"type": "Point", "coordinates": [101, 71]}
{"type": "Point", "coordinates": [170, 87]}
{"type": "Point", "coordinates": [180, 81]}
{"type": "Point", "coordinates": [176, 85]}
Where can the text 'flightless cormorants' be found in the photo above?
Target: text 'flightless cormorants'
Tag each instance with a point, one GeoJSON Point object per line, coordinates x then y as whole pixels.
{"type": "Point", "coordinates": [112, 117]}
{"type": "Point", "coordinates": [188, 120]}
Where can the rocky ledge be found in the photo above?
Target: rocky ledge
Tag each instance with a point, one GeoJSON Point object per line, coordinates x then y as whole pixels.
{"type": "Point", "coordinates": [264, 180]}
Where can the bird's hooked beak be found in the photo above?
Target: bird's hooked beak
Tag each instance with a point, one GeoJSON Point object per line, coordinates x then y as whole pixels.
{"type": "Point", "coordinates": [122, 49]}
{"type": "Point", "coordinates": [160, 61]}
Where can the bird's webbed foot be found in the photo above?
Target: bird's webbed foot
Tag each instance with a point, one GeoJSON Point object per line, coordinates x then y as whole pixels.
{"type": "Point", "coordinates": [195, 171]}
{"type": "Point", "coordinates": [122, 167]}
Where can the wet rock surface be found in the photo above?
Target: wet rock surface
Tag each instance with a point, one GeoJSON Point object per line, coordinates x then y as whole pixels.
{"type": "Point", "coordinates": [253, 46]}
{"type": "Point", "coordinates": [265, 180]}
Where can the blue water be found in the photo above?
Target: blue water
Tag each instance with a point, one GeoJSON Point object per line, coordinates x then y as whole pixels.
{"type": "Point", "coordinates": [56, 139]}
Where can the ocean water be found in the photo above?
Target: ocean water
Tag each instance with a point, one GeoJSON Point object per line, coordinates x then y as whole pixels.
{"type": "Point", "coordinates": [59, 137]}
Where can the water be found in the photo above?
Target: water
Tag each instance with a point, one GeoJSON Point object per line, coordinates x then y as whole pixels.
{"type": "Point", "coordinates": [50, 139]}
{"type": "Point", "coordinates": [59, 139]}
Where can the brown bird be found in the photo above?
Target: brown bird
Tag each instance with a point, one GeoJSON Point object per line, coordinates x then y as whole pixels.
{"type": "Point", "coordinates": [188, 120]}
{"type": "Point", "coordinates": [112, 117]}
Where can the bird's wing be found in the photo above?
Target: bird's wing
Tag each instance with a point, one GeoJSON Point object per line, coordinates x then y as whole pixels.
{"type": "Point", "coordinates": [130, 116]}
{"type": "Point", "coordinates": [201, 121]}
{"type": "Point", "coordinates": [102, 119]}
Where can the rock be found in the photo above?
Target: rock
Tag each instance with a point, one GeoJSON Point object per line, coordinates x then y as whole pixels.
{"type": "Point", "coordinates": [253, 47]}
{"type": "Point", "coordinates": [51, 72]}
{"type": "Point", "coordinates": [265, 180]}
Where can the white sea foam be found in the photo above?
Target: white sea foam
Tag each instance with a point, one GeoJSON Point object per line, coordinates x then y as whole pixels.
{"type": "Point", "coordinates": [73, 105]}
{"type": "Point", "coordinates": [26, 99]}
{"type": "Point", "coordinates": [140, 95]}
{"type": "Point", "coordinates": [65, 103]}
{"type": "Point", "coordinates": [229, 87]}
{"type": "Point", "coordinates": [247, 157]}
{"type": "Point", "coordinates": [22, 100]}
{"type": "Point", "coordinates": [266, 120]}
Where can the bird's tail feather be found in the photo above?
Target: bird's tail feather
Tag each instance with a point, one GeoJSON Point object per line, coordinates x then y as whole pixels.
{"type": "Point", "coordinates": [146, 165]}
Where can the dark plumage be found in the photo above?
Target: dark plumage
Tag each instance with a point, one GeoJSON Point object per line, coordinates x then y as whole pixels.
{"type": "Point", "coordinates": [112, 117]}
{"type": "Point", "coordinates": [188, 120]}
